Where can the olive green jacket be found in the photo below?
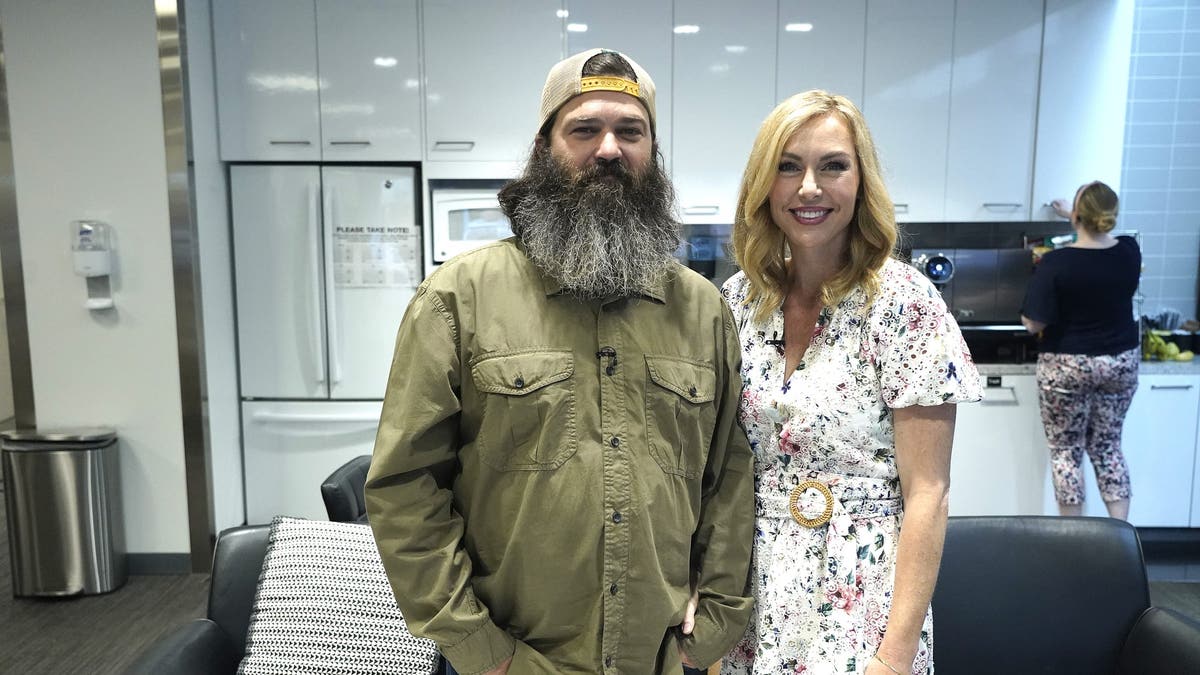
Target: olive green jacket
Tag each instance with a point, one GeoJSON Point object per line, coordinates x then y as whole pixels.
{"type": "Point", "coordinates": [549, 471]}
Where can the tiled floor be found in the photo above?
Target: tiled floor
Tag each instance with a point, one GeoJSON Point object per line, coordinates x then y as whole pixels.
{"type": "Point", "coordinates": [1173, 570]}
{"type": "Point", "coordinates": [1175, 580]}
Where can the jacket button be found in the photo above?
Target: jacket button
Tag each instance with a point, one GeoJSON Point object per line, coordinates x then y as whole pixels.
{"type": "Point", "coordinates": [519, 382]}
{"type": "Point", "coordinates": [608, 661]}
{"type": "Point", "coordinates": [615, 441]}
{"type": "Point", "coordinates": [609, 370]}
{"type": "Point", "coordinates": [692, 392]}
{"type": "Point", "coordinates": [616, 516]}
{"type": "Point", "coordinates": [612, 590]}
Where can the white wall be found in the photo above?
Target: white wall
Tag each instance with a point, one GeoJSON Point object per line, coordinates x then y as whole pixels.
{"type": "Point", "coordinates": [85, 103]}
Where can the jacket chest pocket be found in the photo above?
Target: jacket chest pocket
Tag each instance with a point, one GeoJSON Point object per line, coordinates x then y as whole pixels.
{"type": "Point", "coordinates": [680, 414]}
{"type": "Point", "coordinates": [528, 421]}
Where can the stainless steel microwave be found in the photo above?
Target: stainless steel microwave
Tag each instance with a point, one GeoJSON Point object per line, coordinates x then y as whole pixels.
{"type": "Point", "coordinates": [463, 219]}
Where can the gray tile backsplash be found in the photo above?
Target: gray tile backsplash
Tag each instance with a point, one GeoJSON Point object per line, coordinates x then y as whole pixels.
{"type": "Point", "coordinates": [1186, 133]}
{"type": "Point", "coordinates": [1157, 133]}
{"type": "Point", "coordinates": [1144, 209]}
{"type": "Point", "coordinates": [1189, 87]}
{"type": "Point", "coordinates": [1160, 18]}
{"type": "Point", "coordinates": [1155, 65]}
{"type": "Point", "coordinates": [1186, 201]}
{"type": "Point", "coordinates": [1160, 181]}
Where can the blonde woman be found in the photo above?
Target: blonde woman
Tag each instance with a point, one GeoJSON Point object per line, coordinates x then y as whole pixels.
{"type": "Point", "coordinates": [1081, 301]}
{"type": "Point", "coordinates": [852, 369]}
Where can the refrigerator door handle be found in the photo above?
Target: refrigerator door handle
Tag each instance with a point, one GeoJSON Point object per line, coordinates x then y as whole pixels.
{"type": "Point", "coordinates": [314, 196]}
{"type": "Point", "coordinates": [333, 322]}
{"type": "Point", "coordinates": [261, 417]}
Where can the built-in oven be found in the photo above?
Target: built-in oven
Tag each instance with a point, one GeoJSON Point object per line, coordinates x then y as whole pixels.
{"type": "Point", "coordinates": [984, 289]}
{"type": "Point", "coordinates": [464, 217]}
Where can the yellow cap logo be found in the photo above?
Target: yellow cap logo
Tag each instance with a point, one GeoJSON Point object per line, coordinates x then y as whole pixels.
{"type": "Point", "coordinates": [609, 84]}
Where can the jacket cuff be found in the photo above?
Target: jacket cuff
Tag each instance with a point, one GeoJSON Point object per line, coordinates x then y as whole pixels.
{"type": "Point", "coordinates": [480, 651]}
{"type": "Point", "coordinates": [707, 644]}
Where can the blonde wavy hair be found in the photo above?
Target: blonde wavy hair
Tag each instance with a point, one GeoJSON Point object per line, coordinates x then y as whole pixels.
{"type": "Point", "coordinates": [1096, 207]}
{"type": "Point", "coordinates": [759, 246]}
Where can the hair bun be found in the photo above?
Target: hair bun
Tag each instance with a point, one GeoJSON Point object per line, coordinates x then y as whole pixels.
{"type": "Point", "coordinates": [1106, 222]}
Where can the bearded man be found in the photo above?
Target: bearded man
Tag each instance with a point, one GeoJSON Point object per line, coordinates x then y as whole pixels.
{"type": "Point", "coordinates": [559, 465]}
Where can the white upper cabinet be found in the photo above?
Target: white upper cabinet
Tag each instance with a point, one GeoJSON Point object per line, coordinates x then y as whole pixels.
{"type": "Point", "coordinates": [266, 62]}
{"type": "Point", "coordinates": [485, 63]}
{"type": "Point", "coordinates": [993, 109]}
{"type": "Point", "coordinates": [370, 80]}
{"type": "Point", "coordinates": [334, 80]}
{"type": "Point", "coordinates": [640, 29]}
{"type": "Point", "coordinates": [907, 100]}
{"type": "Point", "coordinates": [821, 46]}
{"type": "Point", "coordinates": [1081, 110]}
{"type": "Point", "coordinates": [724, 88]}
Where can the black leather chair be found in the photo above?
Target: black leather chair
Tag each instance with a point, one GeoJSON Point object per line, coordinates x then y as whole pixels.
{"type": "Point", "coordinates": [215, 645]}
{"type": "Point", "coordinates": [1052, 595]}
{"type": "Point", "coordinates": [343, 491]}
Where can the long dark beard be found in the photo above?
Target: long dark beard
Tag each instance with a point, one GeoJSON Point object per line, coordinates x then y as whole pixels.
{"type": "Point", "coordinates": [601, 232]}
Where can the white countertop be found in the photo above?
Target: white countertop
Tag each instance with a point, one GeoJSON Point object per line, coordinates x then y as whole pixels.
{"type": "Point", "coordinates": [1146, 368]}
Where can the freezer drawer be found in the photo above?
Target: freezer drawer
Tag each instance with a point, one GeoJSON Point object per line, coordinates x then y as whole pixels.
{"type": "Point", "coordinates": [290, 447]}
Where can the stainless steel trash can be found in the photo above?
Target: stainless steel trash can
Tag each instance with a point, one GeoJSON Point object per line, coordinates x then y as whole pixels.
{"type": "Point", "coordinates": [63, 498]}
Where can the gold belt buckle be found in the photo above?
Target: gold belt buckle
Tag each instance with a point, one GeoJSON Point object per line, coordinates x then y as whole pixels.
{"type": "Point", "coordinates": [794, 504]}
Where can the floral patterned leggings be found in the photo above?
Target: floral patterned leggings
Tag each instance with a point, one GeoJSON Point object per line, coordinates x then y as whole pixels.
{"type": "Point", "coordinates": [1084, 400]}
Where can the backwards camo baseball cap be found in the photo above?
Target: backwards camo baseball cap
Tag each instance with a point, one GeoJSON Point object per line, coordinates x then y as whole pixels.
{"type": "Point", "coordinates": [566, 81]}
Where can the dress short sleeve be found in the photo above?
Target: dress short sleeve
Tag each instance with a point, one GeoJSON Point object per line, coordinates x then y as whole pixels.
{"type": "Point", "coordinates": [921, 354]}
{"type": "Point", "coordinates": [734, 290]}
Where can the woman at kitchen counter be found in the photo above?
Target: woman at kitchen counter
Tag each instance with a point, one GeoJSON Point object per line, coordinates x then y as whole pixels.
{"type": "Point", "coordinates": [852, 366]}
{"type": "Point", "coordinates": [1080, 299]}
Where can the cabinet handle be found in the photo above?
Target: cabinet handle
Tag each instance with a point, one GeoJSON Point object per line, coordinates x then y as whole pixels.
{"type": "Point", "coordinates": [900, 208]}
{"type": "Point", "coordinates": [349, 142]}
{"type": "Point", "coordinates": [454, 146]}
{"type": "Point", "coordinates": [329, 221]}
{"type": "Point", "coordinates": [291, 142]}
{"type": "Point", "coordinates": [314, 236]}
{"type": "Point", "coordinates": [1011, 206]}
{"type": "Point", "coordinates": [300, 418]}
{"type": "Point", "coordinates": [1160, 387]}
{"type": "Point", "coordinates": [701, 210]}
{"type": "Point", "coordinates": [1011, 400]}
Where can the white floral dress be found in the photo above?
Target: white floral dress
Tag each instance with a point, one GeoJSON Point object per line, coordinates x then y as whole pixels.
{"type": "Point", "coordinates": [823, 594]}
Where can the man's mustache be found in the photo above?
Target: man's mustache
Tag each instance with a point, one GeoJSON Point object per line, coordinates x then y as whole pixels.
{"type": "Point", "coordinates": [606, 168]}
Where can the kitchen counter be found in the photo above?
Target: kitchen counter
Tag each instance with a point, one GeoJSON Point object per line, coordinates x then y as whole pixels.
{"type": "Point", "coordinates": [1145, 368]}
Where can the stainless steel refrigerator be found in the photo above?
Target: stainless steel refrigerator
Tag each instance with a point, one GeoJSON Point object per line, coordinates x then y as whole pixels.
{"type": "Point", "coordinates": [326, 259]}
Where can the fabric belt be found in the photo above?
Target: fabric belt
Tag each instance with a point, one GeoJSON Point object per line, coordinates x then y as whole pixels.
{"type": "Point", "coordinates": [822, 499]}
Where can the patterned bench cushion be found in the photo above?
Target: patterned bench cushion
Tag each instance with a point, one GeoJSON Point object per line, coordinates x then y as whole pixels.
{"type": "Point", "coordinates": [324, 606]}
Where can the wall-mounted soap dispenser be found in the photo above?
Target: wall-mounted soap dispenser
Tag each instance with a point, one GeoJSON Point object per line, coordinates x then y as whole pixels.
{"type": "Point", "coordinates": [91, 251]}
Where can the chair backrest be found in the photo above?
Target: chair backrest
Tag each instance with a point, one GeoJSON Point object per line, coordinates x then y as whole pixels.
{"type": "Point", "coordinates": [237, 564]}
{"type": "Point", "coordinates": [1036, 594]}
{"type": "Point", "coordinates": [1163, 641]}
{"type": "Point", "coordinates": [343, 491]}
